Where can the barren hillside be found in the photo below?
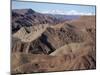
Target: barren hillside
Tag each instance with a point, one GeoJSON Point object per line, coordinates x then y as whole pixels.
{"type": "Point", "coordinates": [46, 47]}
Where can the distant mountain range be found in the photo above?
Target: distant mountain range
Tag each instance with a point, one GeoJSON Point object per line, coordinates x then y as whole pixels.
{"type": "Point", "coordinates": [64, 17]}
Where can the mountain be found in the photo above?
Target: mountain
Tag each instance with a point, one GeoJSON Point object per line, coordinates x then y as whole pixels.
{"type": "Point", "coordinates": [23, 11]}
{"type": "Point", "coordinates": [84, 22]}
{"type": "Point", "coordinates": [63, 18]}
{"type": "Point", "coordinates": [45, 43]}
{"type": "Point", "coordinates": [28, 17]}
{"type": "Point", "coordinates": [49, 38]}
{"type": "Point", "coordinates": [45, 38]}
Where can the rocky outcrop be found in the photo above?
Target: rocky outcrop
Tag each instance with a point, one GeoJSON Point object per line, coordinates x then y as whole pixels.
{"type": "Point", "coordinates": [19, 46]}
{"type": "Point", "coordinates": [49, 40]}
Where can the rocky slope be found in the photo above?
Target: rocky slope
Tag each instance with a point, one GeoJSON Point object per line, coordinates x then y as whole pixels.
{"type": "Point", "coordinates": [29, 17]}
{"type": "Point", "coordinates": [46, 47]}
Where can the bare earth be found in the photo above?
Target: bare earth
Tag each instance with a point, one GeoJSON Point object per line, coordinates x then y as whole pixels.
{"type": "Point", "coordinates": [61, 47]}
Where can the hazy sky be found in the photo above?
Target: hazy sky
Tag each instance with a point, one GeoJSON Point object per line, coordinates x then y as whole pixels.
{"type": "Point", "coordinates": [55, 8]}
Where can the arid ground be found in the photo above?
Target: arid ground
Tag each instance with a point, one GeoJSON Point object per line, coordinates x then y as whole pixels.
{"type": "Point", "coordinates": [44, 43]}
